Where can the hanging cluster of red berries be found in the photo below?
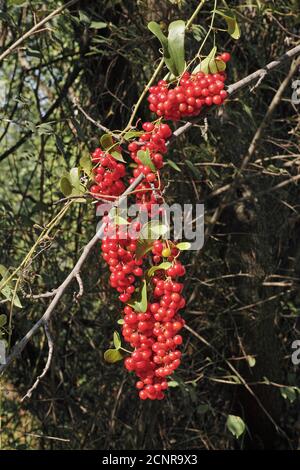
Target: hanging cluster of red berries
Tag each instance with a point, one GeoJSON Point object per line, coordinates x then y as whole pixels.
{"type": "Point", "coordinates": [153, 141]}
{"type": "Point", "coordinates": [108, 175]}
{"type": "Point", "coordinates": [154, 332]}
{"type": "Point", "coordinates": [118, 250]}
{"type": "Point", "coordinates": [194, 92]}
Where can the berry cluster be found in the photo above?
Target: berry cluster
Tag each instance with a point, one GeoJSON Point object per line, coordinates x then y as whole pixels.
{"type": "Point", "coordinates": [152, 330]}
{"type": "Point", "coordinates": [194, 92]}
{"type": "Point", "coordinates": [119, 251]}
{"type": "Point", "coordinates": [154, 335]}
{"type": "Point", "coordinates": [152, 141]}
{"type": "Point", "coordinates": [108, 175]}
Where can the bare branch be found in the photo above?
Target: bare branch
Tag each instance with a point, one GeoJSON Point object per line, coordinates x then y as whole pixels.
{"type": "Point", "coordinates": [35, 28]}
{"type": "Point", "coordinates": [80, 284]}
{"type": "Point", "coordinates": [47, 365]}
{"type": "Point", "coordinates": [258, 75]}
{"type": "Point", "coordinates": [18, 348]}
{"type": "Point", "coordinates": [89, 118]}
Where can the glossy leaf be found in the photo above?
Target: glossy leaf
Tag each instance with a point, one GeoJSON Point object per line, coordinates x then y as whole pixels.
{"type": "Point", "coordinates": [86, 164]}
{"type": "Point", "coordinates": [210, 64]}
{"type": "Point", "coordinates": [117, 340]}
{"type": "Point", "coordinates": [141, 304]}
{"type": "Point", "coordinates": [106, 141]}
{"type": "Point", "coordinates": [232, 25]}
{"type": "Point", "coordinates": [173, 165]}
{"type": "Point", "coordinates": [183, 246]}
{"type": "Point", "coordinates": [156, 30]}
{"type": "Point", "coordinates": [165, 265]}
{"type": "Point", "coordinates": [235, 425]}
{"type": "Point", "coordinates": [112, 356]}
{"type": "Point", "coordinates": [65, 186]}
{"type": "Point", "coordinates": [145, 159]}
{"type": "Point", "coordinates": [176, 45]}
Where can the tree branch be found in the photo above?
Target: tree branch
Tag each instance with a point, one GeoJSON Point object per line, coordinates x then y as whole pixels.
{"type": "Point", "coordinates": [35, 28]}
{"type": "Point", "coordinates": [18, 348]}
{"type": "Point", "coordinates": [237, 86]}
{"type": "Point", "coordinates": [47, 365]}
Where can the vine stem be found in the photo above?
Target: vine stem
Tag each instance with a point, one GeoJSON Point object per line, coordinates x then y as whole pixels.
{"type": "Point", "coordinates": [157, 71]}
{"type": "Point", "coordinates": [43, 235]}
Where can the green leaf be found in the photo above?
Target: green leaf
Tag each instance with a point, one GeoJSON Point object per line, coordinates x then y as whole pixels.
{"type": "Point", "coordinates": [235, 425]}
{"type": "Point", "coordinates": [3, 271]}
{"type": "Point", "coordinates": [173, 384]}
{"type": "Point", "coordinates": [166, 265]}
{"type": "Point", "coordinates": [16, 2]}
{"type": "Point", "coordinates": [173, 165]}
{"type": "Point", "coordinates": [117, 155]}
{"type": "Point", "coordinates": [176, 44]}
{"type": "Point", "coordinates": [251, 361]}
{"type": "Point", "coordinates": [3, 320]}
{"type": "Point", "coordinates": [75, 177]}
{"type": "Point", "coordinates": [156, 30]}
{"type": "Point", "coordinates": [194, 169]}
{"type": "Point", "coordinates": [289, 393]}
{"type": "Point", "coordinates": [183, 246]}
{"type": "Point", "coordinates": [8, 290]}
{"type": "Point", "coordinates": [121, 321]}
{"type": "Point", "coordinates": [232, 25]}
{"type": "Point", "coordinates": [98, 25]}
{"type": "Point", "coordinates": [117, 340]}
{"type": "Point", "coordinates": [145, 159]}
{"type": "Point", "coordinates": [84, 18]}
{"type": "Point", "coordinates": [17, 301]}
{"type": "Point", "coordinates": [141, 304]}
{"type": "Point", "coordinates": [112, 356]}
{"type": "Point", "coordinates": [106, 141]}
{"type": "Point", "coordinates": [65, 186]}
{"type": "Point", "coordinates": [210, 64]}
{"type": "Point", "coordinates": [132, 135]}
{"type": "Point", "coordinates": [86, 164]}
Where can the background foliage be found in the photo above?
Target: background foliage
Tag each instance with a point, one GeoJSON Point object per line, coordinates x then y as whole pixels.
{"type": "Point", "coordinates": [243, 286]}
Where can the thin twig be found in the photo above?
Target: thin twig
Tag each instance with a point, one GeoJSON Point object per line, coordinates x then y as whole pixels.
{"type": "Point", "coordinates": [89, 118]}
{"type": "Point", "coordinates": [35, 28]}
{"type": "Point", "coordinates": [47, 365]}
{"type": "Point", "coordinates": [80, 285]}
{"type": "Point", "coordinates": [18, 348]}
